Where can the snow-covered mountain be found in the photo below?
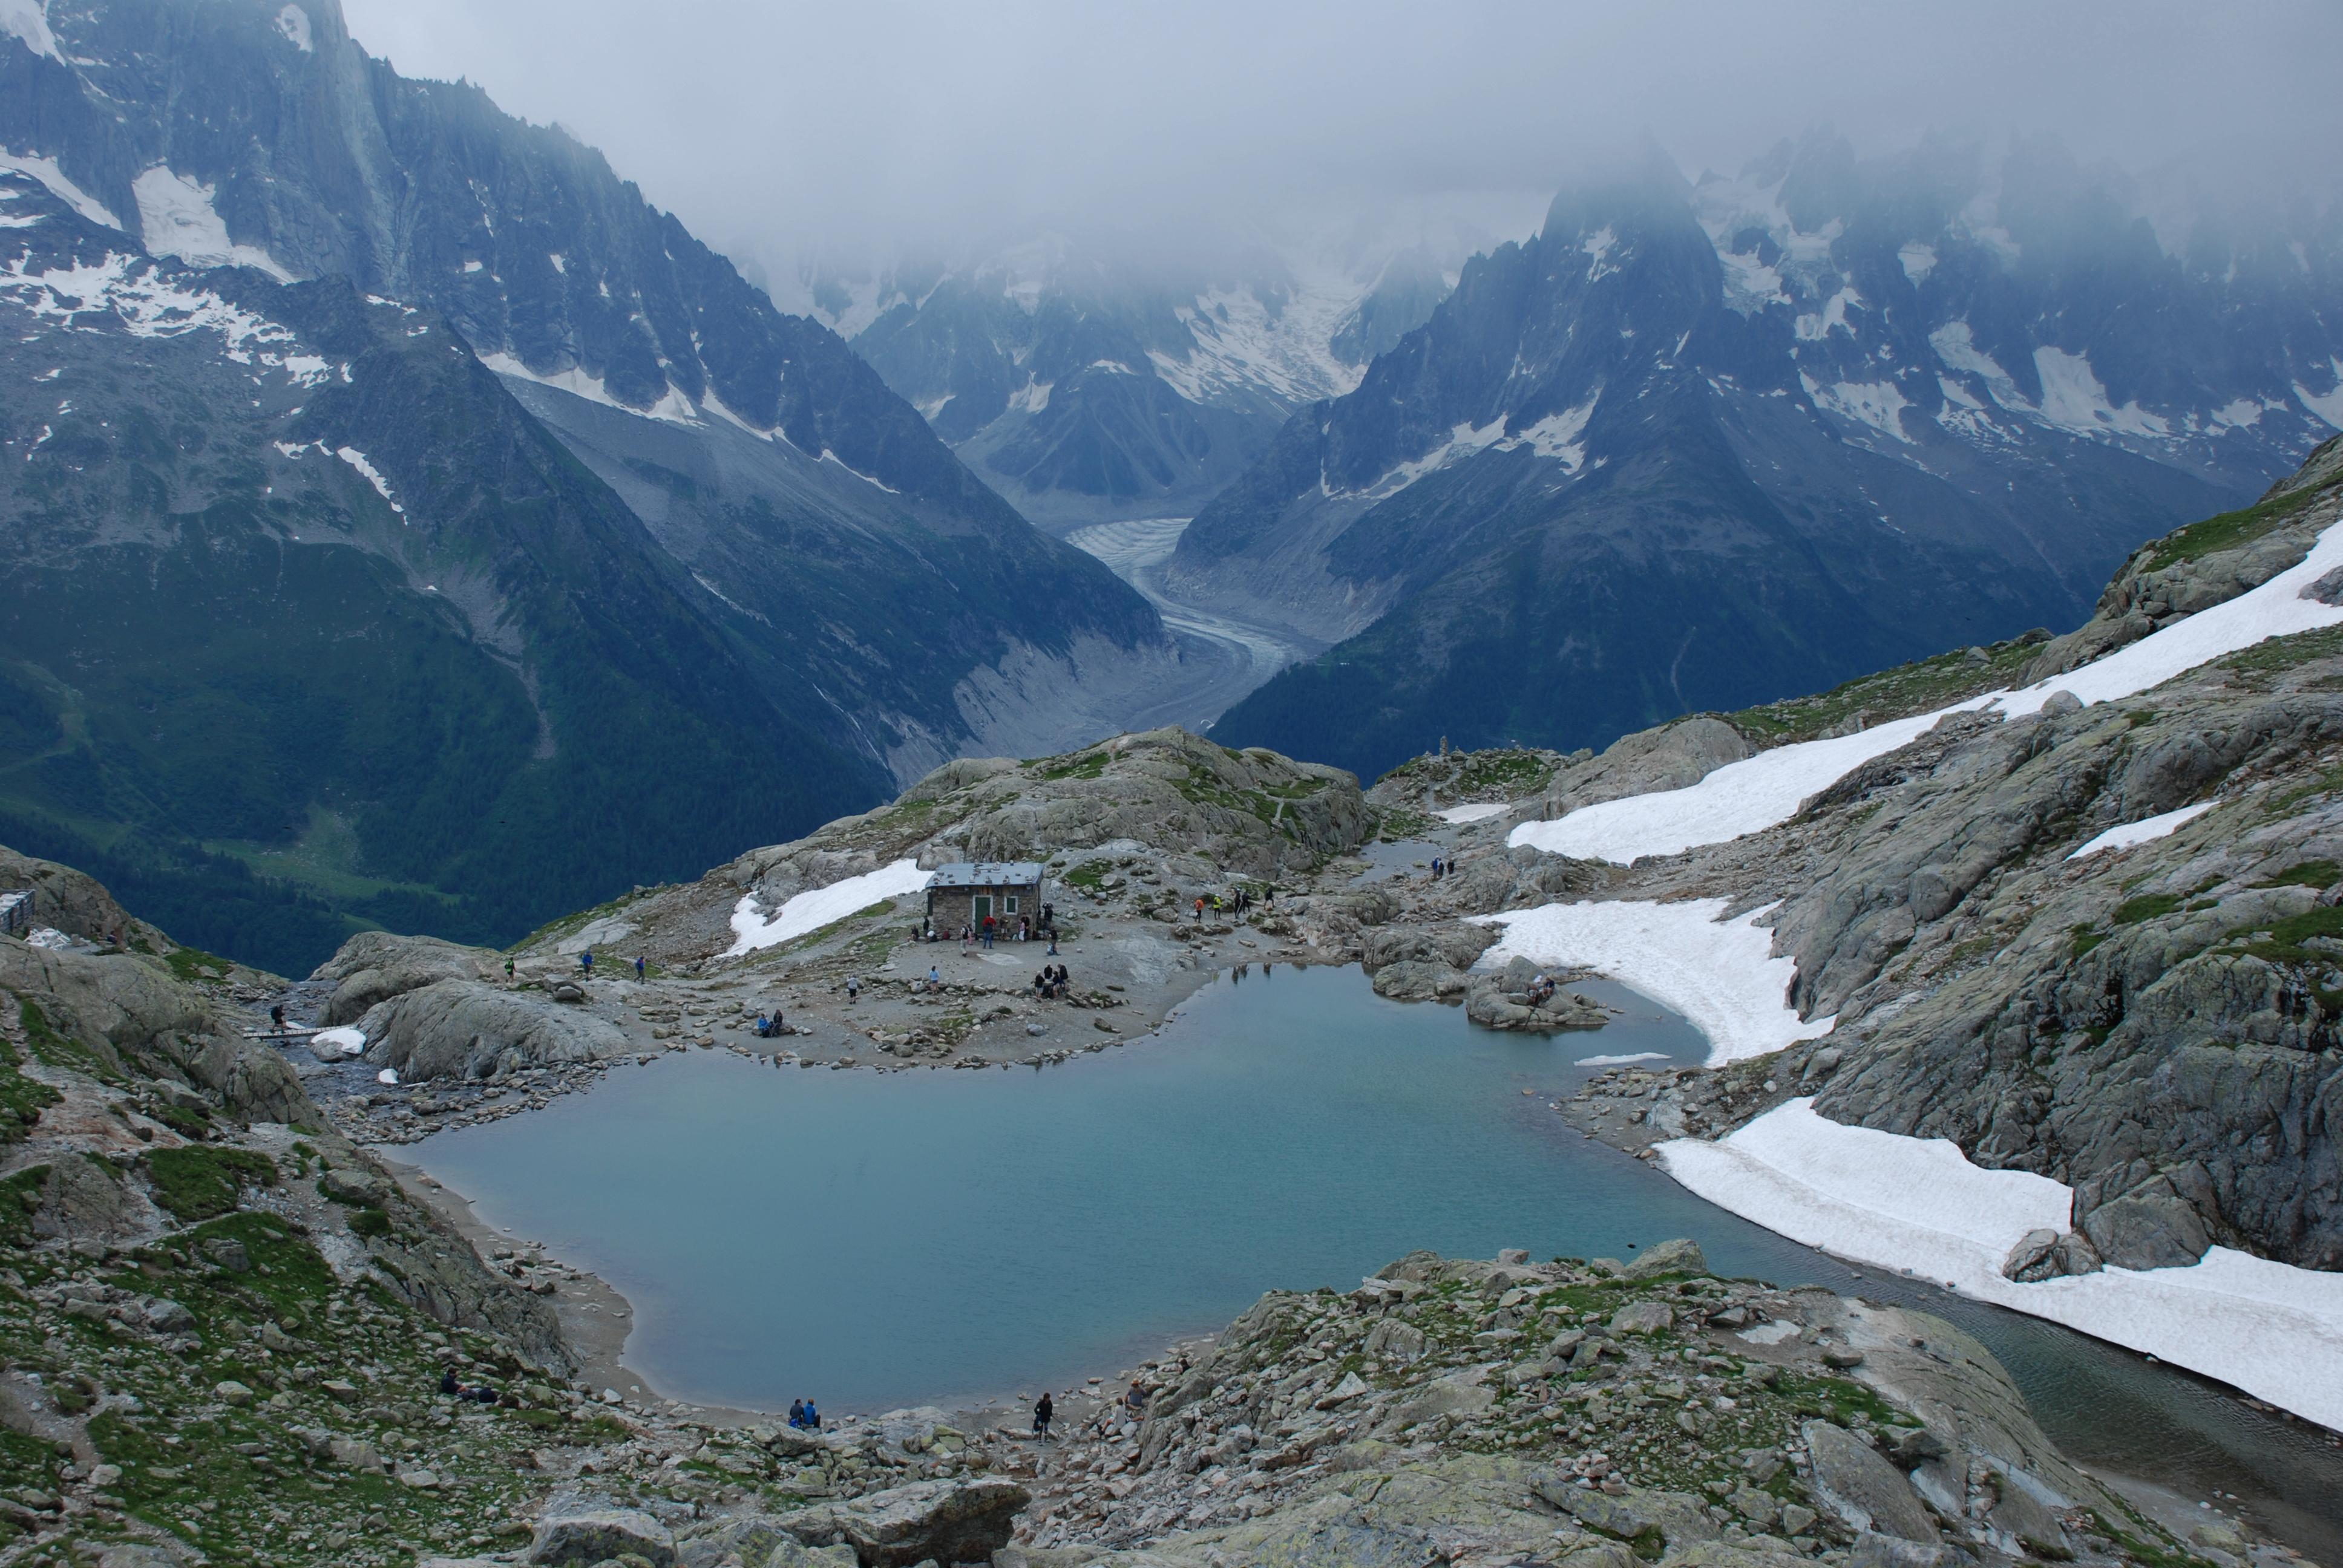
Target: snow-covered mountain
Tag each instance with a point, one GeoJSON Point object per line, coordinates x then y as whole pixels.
{"type": "Point", "coordinates": [1697, 445]}
{"type": "Point", "coordinates": [680, 572]}
{"type": "Point", "coordinates": [1090, 390]}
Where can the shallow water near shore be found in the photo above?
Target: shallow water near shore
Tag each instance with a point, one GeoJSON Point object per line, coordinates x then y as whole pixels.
{"type": "Point", "coordinates": [927, 1237]}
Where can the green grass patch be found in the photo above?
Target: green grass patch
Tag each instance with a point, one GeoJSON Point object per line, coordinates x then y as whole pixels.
{"type": "Point", "coordinates": [194, 965]}
{"type": "Point", "coordinates": [2277, 654]}
{"type": "Point", "coordinates": [57, 1049]}
{"type": "Point", "coordinates": [1082, 765]}
{"type": "Point", "coordinates": [2082, 938]}
{"type": "Point", "coordinates": [2223, 532]}
{"type": "Point", "coordinates": [2309, 874]}
{"type": "Point", "coordinates": [2284, 943]}
{"type": "Point", "coordinates": [1897, 693]}
{"type": "Point", "coordinates": [2132, 912]}
{"type": "Point", "coordinates": [200, 1182]}
{"type": "Point", "coordinates": [22, 1099]}
{"type": "Point", "coordinates": [1088, 876]}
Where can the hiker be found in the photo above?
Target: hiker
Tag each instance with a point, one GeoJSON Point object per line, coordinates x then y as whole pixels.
{"type": "Point", "coordinates": [797, 1413]}
{"type": "Point", "coordinates": [277, 1017]}
{"type": "Point", "coordinates": [1135, 1402]}
{"type": "Point", "coordinates": [449, 1385]}
{"type": "Point", "coordinates": [509, 971]}
{"type": "Point", "coordinates": [1435, 868]}
{"type": "Point", "coordinates": [853, 987]}
{"type": "Point", "coordinates": [1024, 928]}
{"type": "Point", "coordinates": [585, 962]}
{"type": "Point", "coordinates": [1043, 1410]}
{"type": "Point", "coordinates": [813, 1417]}
{"type": "Point", "coordinates": [1199, 909]}
{"type": "Point", "coordinates": [639, 968]}
{"type": "Point", "coordinates": [935, 981]}
{"type": "Point", "coordinates": [988, 933]}
{"type": "Point", "coordinates": [1053, 942]}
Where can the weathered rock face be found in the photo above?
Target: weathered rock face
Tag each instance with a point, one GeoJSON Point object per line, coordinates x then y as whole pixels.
{"type": "Point", "coordinates": [1668, 758]}
{"type": "Point", "coordinates": [372, 967]}
{"type": "Point", "coordinates": [465, 1029]}
{"type": "Point", "coordinates": [130, 1009]}
{"type": "Point", "coordinates": [69, 900]}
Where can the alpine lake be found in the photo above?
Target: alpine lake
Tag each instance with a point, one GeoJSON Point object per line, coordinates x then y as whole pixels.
{"type": "Point", "coordinates": [880, 1240]}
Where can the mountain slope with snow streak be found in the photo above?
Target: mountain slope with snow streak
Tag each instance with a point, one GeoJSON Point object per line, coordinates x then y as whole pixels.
{"type": "Point", "coordinates": [1700, 445]}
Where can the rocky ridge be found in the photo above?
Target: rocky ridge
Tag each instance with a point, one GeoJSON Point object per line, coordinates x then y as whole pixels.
{"type": "Point", "coordinates": [2153, 1025]}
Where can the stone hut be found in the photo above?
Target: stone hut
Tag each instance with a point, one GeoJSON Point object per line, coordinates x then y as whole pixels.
{"type": "Point", "coordinates": [967, 892]}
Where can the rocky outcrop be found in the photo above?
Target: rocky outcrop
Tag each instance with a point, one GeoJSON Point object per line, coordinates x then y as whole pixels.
{"type": "Point", "coordinates": [1521, 996]}
{"type": "Point", "coordinates": [469, 1030]}
{"type": "Point", "coordinates": [134, 1016]}
{"type": "Point", "coordinates": [1563, 1412]}
{"type": "Point", "coordinates": [71, 901]}
{"type": "Point", "coordinates": [962, 1521]}
{"type": "Point", "coordinates": [372, 967]}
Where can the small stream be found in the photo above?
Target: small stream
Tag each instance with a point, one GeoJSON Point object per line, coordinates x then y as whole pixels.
{"type": "Point", "coordinates": [877, 1240]}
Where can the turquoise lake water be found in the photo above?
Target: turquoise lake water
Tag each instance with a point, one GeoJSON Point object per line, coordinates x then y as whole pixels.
{"type": "Point", "coordinates": [880, 1240]}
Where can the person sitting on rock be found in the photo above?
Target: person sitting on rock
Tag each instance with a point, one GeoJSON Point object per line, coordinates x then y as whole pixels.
{"type": "Point", "coordinates": [449, 1384]}
{"type": "Point", "coordinates": [813, 1417]}
{"type": "Point", "coordinates": [1134, 1404]}
{"type": "Point", "coordinates": [797, 1413]}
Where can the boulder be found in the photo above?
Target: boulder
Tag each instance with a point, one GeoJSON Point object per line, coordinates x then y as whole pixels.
{"type": "Point", "coordinates": [1862, 1489]}
{"type": "Point", "coordinates": [372, 967]}
{"type": "Point", "coordinates": [2044, 1254]}
{"type": "Point", "coordinates": [1642, 1318]}
{"type": "Point", "coordinates": [2151, 1227]}
{"type": "Point", "coordinates": [1449, 944]}
{"type": "Point", "coordinates": [593, 1535]}
{"type": "Point", "coordinates": [1680, 1256]}
{"type": "Point", "coordinates": [362, 1188]}
{"type": "Point", "coordinates": [463, 1029]}
{"type": "Point", "coordinates": [1460, 1393]}
{"type": "Point", "coordinates": [1416, 980]}
{"type": "Point", "coordinates": [960, 1520]}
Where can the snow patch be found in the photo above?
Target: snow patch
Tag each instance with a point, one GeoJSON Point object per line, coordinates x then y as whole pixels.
{"type": "Point", "coordinates": [48, 937]}
{"type": "Point", "coordinates": [358, 459]}
{"type": "Point", "coordinates": [294, 23]}
{"type": "Point", "coordinates": [2161, 826]}
{"type": "Point", "coordinates": [1957, 348]}
{"type": "Point", "coordinates": [2073, 399]}
{"type": "Point", "coordinates": [45, 170]}
{"type": "Point", "coordinates": [2328, 405]}
{"type": "Point", "coordinates": [28, 20]}
{"type": "Point", "coordinates": [1750, 286]}
{"type": "Point", "coordinates": [1720, 974]}
{"type": "Point", "coordinates": [1814, 329]}
{"type": "Point", "coordinates": [1621, 1060]}
{"type": "Point", "coordinates": [1598, 247]}
{"type": "Point", "coordinates": [1738, 799]}
{"type": "Point", "coordinates": [829, 456]}
{"type": "Point", "coordinates": [672, 406]}
{"type": "Point", "coordinates": [1556, 435]}
{"type": "Point", "coordinates": [818, 907]}
{"type": "Point", "coordinates": [343, 1041]}
{"type": "Point", "coordinates": [1919, 260]}
{"type": "Point", "coordinates": [1878, 404]}
{"type": "Point", "coordinates": [138, 297]}
{"type": "Point", "coordinates": [1479, 812]}
{"type": "Point", "coordinates": [1760, 792]}
{"type": "Point", "coordinates": [2238, 414]}
{"type": "Point", "coordinates": [1918, 1204]}
{"type": "Point", "coordinates": [175, 217]}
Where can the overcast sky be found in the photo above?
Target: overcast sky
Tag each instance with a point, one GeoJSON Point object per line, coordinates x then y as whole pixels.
{"type": "Point", "coordinates": [872, 126]}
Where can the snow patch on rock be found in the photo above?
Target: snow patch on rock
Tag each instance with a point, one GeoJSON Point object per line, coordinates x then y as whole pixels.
{"type": "Point", "coordinates": [818, 907]}
{"type": "Point", "coordinates": [1919, 1204]}
{"type": "Point", "coordinates": [2140, 832]}
{"type": "Point", "coordinates": [294, 23]}
{"type": "Point", "coordinates": [1720, 974]}
{"type": "Point", "coordinates": [45, 170]}
{"type": "Point", "coordinates": [175, 217]}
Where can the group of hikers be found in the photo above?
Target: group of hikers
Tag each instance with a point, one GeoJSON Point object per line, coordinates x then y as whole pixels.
{"type": "Point", "coordinates": [1236, 903]}
{"type": "Point", "coordinates": [476, 1394]}
{"type": "Point", "coordinates": [1051, 981]}
{"type": "Point", "coordinates": [767, 1028]}
{"type": "Point", "coordinates": [1131, 1406]}
{"type": "Point", "coordinates": [984, 932]}
{"type": "Point", "coordinates": [1439, 868]}
{"type": "Point", "coordinates": [803, 1416]}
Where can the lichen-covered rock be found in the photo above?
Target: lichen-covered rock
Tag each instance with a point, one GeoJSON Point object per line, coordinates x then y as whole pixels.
{"type": "Point", "coordinates": [596, 1535]}
{"type": "Point", "coordinates": [1862, 1489]}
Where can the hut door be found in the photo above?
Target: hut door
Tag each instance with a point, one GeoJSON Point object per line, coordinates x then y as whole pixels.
{"type": "Point", "coordinates": [983, 908]}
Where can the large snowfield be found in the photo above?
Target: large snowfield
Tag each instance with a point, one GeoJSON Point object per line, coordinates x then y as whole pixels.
{"type": "Point", "coordinates": [1761, 791]}
{"type": "Point", "coordinates": [817, 907]}
{"type": "Point", "coordinates": [1914, 1204]}
{"type": "Point", "coordinates": [1918, 1205]}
